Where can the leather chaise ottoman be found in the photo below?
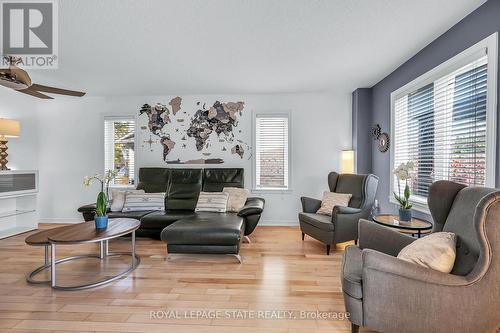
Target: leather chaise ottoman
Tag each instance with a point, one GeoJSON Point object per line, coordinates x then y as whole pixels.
{"type": "Point", "coordinates": [205, 233]}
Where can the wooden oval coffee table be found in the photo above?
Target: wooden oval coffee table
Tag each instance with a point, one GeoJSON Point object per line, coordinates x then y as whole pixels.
{"type": "Point", "coordinates": [415, 226]}
{"type": "Point", "coordinates": [79, 234]}
{"type": "Point", "coordinates": [41, 238]}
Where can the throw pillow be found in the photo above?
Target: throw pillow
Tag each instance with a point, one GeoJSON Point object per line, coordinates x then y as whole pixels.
{"type": "Point", "coordinates": [237, 198]}
{"type": "Point", "coordinates": [436, 251]}
{"type": "Point", "coordinates": [212, 202]}
{"type": "Point", "coordinates": [332, 199]}
{"type": "Point", "coordinates": [118, 198]}
{"type": "Point", "coordinates": [145, 201]}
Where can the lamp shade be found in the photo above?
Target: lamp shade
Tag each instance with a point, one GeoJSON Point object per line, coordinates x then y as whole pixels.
{"type": "Point", "coordinates": [347, 161]}
{"type": "Point", "coordinates": [9, 128]}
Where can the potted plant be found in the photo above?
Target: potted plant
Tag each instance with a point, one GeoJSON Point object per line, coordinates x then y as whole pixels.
{"type": "Point", "coordinates": [403, 173]}
{"type": "Point", "coordinates": [101, 218]}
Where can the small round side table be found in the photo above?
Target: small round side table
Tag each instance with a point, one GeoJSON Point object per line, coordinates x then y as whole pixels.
{"type": "Point", "coordinates": [415, 226]}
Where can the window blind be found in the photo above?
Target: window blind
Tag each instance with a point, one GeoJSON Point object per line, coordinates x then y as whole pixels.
{"type": "Point", "coordinates": [119, 149]}
{"type": "Point", "coordinates": [441, 127]}
{"type": "Point", "coordinates": [271, 152]}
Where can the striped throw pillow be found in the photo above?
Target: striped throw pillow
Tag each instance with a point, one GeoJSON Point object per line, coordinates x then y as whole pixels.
{"type": "Point", "coordinates": [212, 202]}
{"type": "Point", "coordinates": [145, 201]}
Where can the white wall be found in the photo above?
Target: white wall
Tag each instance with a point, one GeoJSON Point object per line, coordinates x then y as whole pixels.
{"type": "Point", "coordinates": [23, 151]}
{"type": "Point", "coordinates": [71, 146]}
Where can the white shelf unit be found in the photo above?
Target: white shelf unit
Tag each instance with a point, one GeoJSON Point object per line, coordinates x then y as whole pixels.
{"type": "Point", "coordinates": [18, 202]}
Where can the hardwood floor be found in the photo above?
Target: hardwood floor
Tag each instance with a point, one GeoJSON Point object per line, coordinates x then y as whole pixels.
{"type": "Point", "coordinates": [280, 276]}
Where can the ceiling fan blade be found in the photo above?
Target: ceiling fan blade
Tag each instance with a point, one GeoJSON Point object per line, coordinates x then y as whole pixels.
{"type": "Point", "coordinates": [53, 90]}
{"type": "Point", "coordinates": [34, 93]}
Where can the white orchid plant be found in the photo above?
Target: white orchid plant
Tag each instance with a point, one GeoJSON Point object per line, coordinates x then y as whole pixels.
{"type": "Point", "coordinates": [404, 172]}
{"type": "Point", "coordinates": [102, 197]}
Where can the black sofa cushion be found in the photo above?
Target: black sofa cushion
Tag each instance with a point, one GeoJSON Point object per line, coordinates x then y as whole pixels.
{"type": "Point", "coordinates": [160, 220]}
{"type": "Point", "coordinates": [183, 189]}
{"type": "Point", "coordinates": [205, 228]}
{"type": "Point", "coordinates": [153, 180]}
{"type": "Point", "coordinates": [214, 180]}
{"type": "Point", "coordinates": [130, 215]}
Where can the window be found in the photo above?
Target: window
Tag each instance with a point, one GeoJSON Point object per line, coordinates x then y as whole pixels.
{"type": "Point", "coordinates": [445, 123]}
{"type": "Point", "coordinates": [119, 148]}
{"type": "Point", "coordinates": [271, 168]}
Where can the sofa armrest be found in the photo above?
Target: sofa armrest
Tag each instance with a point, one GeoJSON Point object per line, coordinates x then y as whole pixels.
{"type": "Point", "coordinates": [90, 208]}
{"type": "Point", "coordinates": [396, 268]}
{"type": "Point", "coordinates": [253, 206]}
{"type": "Point", "coordinates": [310, 205]}
{"type": "Point", "coordinates": [377, 237]}
{"type": "Point", "coordinates": [345, 210]}
{"type": "Point", "coordinates": [88, 211]}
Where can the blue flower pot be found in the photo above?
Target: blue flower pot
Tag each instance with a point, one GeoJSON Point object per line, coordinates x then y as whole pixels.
{"type": "Point", "coordinates": [404, 215]}
{"type": "Point", "coordinates": [101, 222]}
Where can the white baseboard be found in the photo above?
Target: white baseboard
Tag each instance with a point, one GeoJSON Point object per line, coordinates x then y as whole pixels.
{"type": "Point", "coordinates": [60, 220]}
{"type": "Point", "coordinates": [280, 223]}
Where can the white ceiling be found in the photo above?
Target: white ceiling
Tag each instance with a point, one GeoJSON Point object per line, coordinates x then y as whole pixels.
{"type": "Point", "coordinates": [155, 47]}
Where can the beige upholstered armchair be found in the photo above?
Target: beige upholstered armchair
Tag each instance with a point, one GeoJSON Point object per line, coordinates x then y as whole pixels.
{"type": "Point", "coordinates": [387, 294]}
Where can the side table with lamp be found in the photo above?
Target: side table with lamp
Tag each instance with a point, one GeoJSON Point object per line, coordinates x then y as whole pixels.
{"type": "Point", "coordinates": [18, 189]}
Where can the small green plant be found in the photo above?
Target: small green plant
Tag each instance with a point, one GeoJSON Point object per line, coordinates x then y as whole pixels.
{"type": "Point", "coordinates": [404, 172]}
{"type": "Point", "coordinates": [101, 204]}
{"type": "Point", "coordinates": [102, 197]}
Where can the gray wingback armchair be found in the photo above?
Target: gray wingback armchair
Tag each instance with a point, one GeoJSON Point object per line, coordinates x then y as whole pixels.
{"type": "Point", "coordinates": [384, 293]}
{"type": "Point", "coordinates": [342, 226]}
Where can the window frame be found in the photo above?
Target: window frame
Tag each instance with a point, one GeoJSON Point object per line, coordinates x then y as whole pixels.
{"type": "Point", "coordinates": [271, 114]}
{"type": "Point", "coordinates": [490, 43]}
{"type": "Point", "coordinates": [126, 117]}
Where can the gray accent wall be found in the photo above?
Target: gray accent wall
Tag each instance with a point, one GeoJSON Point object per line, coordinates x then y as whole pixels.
{"type": "Point", "coordinates": [361, 124]}
{"type": "Point", "coordinates": [478, 25]}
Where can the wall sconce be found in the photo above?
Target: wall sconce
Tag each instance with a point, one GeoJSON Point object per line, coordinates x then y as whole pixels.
{"type": "Point", "coordinates": [347, 161]}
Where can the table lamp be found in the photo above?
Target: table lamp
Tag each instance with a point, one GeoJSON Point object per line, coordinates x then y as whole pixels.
{"type": "Point", "coordinates": [347, 161]}
{"type": "Point", "coordinates": [8, 129]}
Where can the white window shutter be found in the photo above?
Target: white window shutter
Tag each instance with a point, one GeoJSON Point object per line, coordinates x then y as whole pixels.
{"type": "Point", "coordinates": [442, 128]}
{"type": "Point", "coordinates": [271, 152]}
{"type": "Point", "coordinates": [119, 148]}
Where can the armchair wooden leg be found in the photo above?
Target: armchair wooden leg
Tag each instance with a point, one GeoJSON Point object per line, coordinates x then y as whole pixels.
{"type": "Point", "coordinates": [354, 328]}
{"type": "Point", "coordinates": [328, 250]}
{"type": "Point", "coordinates": [303, 236]}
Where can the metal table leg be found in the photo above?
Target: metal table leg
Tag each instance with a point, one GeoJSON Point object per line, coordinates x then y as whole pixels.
{"type": "Point", "coordinates": [101, 249]}
{"type": "Point", "coordinates": [133, 249]}
{"type": "Point", "coordinates": [46, 254]}
{"type": "Point", "coordinates": [53, 265]}
{"type": "Point", "coordinates": [30, 278]}
{"type": "Point", "coordinates": [103, 252]}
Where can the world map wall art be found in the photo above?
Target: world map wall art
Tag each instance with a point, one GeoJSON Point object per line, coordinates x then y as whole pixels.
{"type": "Point", "coordinates": [199, 134]}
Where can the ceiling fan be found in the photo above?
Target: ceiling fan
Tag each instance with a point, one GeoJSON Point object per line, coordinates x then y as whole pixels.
{"type": "Point", "coordinates": [19, 80]}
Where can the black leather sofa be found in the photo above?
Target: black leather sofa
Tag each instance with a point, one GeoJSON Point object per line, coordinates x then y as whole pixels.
{"type": "Point", "coordinates": [190, 229]}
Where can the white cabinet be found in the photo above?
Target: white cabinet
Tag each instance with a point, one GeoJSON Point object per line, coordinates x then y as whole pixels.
{"type": "Point", "coordinates": [18, 202]}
